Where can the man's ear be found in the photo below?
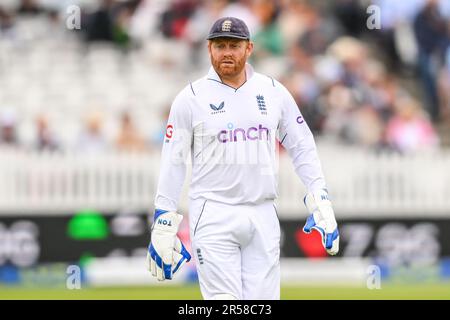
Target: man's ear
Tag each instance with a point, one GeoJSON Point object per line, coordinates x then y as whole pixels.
{"type": "Point", "coordinates": [208, 45]}
{"type": "Point", "coordinates": [249, 49]}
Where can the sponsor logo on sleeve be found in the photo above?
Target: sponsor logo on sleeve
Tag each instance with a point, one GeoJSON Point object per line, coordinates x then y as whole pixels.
{"type": "Point", "coordinates": [169, 132]}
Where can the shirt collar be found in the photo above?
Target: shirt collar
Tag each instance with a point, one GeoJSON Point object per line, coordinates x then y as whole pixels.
{"type": "Point", "coordinates": [212, 74]}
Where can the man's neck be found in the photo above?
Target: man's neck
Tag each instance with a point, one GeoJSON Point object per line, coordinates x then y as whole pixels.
{"type": "Point", "coordinates": [235, 82]}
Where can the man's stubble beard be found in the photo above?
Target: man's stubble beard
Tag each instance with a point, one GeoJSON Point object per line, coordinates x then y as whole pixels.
{"type": "Point", "coordinates": [239, 65]}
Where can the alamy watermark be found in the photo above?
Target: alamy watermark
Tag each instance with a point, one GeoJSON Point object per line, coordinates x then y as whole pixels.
{"type": "Point", "coordinates": [374, 277]}
{"type": "Point", "coordinates": [73, 281]}
{"type": "Point", "coordinates": [374, 19]}
{"type": "Point", "coordinates": [73, 18]}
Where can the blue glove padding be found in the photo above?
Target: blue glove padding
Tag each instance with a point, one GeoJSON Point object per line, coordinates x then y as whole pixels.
{"type": "Point", "coordinates": [322, 219]}
{"type": "Point", "coordinates": [327, 238]}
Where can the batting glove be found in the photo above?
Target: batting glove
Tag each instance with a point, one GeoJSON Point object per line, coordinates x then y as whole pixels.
{"type": "Point", "coordinates": [322, 219]}
{"type": "Point", "coordinates": [166, 253]}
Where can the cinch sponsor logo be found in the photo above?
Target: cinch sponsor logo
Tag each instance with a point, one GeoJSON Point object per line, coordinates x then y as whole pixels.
{"type": "Point", "coordinates": [241, 134]}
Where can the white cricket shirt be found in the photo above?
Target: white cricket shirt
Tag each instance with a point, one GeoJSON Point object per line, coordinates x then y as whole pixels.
{"type": "Point", "coordinates": [229, 136]}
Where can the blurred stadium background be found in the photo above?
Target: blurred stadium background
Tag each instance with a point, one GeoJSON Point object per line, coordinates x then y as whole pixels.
{"type": "Point", "coordinates": [83, 111]}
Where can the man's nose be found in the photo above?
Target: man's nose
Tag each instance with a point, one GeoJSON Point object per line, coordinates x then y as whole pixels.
{"type": "Point", "coordinates": [228, 51]}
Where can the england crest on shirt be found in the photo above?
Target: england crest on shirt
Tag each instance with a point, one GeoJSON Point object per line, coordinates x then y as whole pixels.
{"type": "Point", "coordinates": [261, 103]}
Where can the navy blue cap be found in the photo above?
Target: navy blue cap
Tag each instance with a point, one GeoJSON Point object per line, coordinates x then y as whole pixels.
{"type": "Point", "coordinates": [229, 27]}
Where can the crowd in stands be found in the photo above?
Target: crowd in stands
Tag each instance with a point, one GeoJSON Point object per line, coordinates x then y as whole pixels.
{"type": "Point", "coordinates": [90, 139]}
{"type": "Point", "coordinates": [384, 88]}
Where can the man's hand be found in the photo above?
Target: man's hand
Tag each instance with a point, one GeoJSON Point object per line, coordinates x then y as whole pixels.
{"type": "Point", "coordinates": [322, 219]}
{"type": "Point", "coordinates": [166, 253]}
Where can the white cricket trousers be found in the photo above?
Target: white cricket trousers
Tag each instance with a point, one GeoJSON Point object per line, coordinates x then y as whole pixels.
{"type": "Point", "coordinates": [236, 249]}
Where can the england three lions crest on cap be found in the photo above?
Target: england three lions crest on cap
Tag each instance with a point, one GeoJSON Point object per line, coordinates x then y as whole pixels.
{"type": "Point", "coordinates": [229, 27]}
{"type": "Point", "coordinates": [226, 26]}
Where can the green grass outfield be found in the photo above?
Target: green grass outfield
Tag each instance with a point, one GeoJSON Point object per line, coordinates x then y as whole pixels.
{"type": "Point", "coordinates": [192, 292]}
